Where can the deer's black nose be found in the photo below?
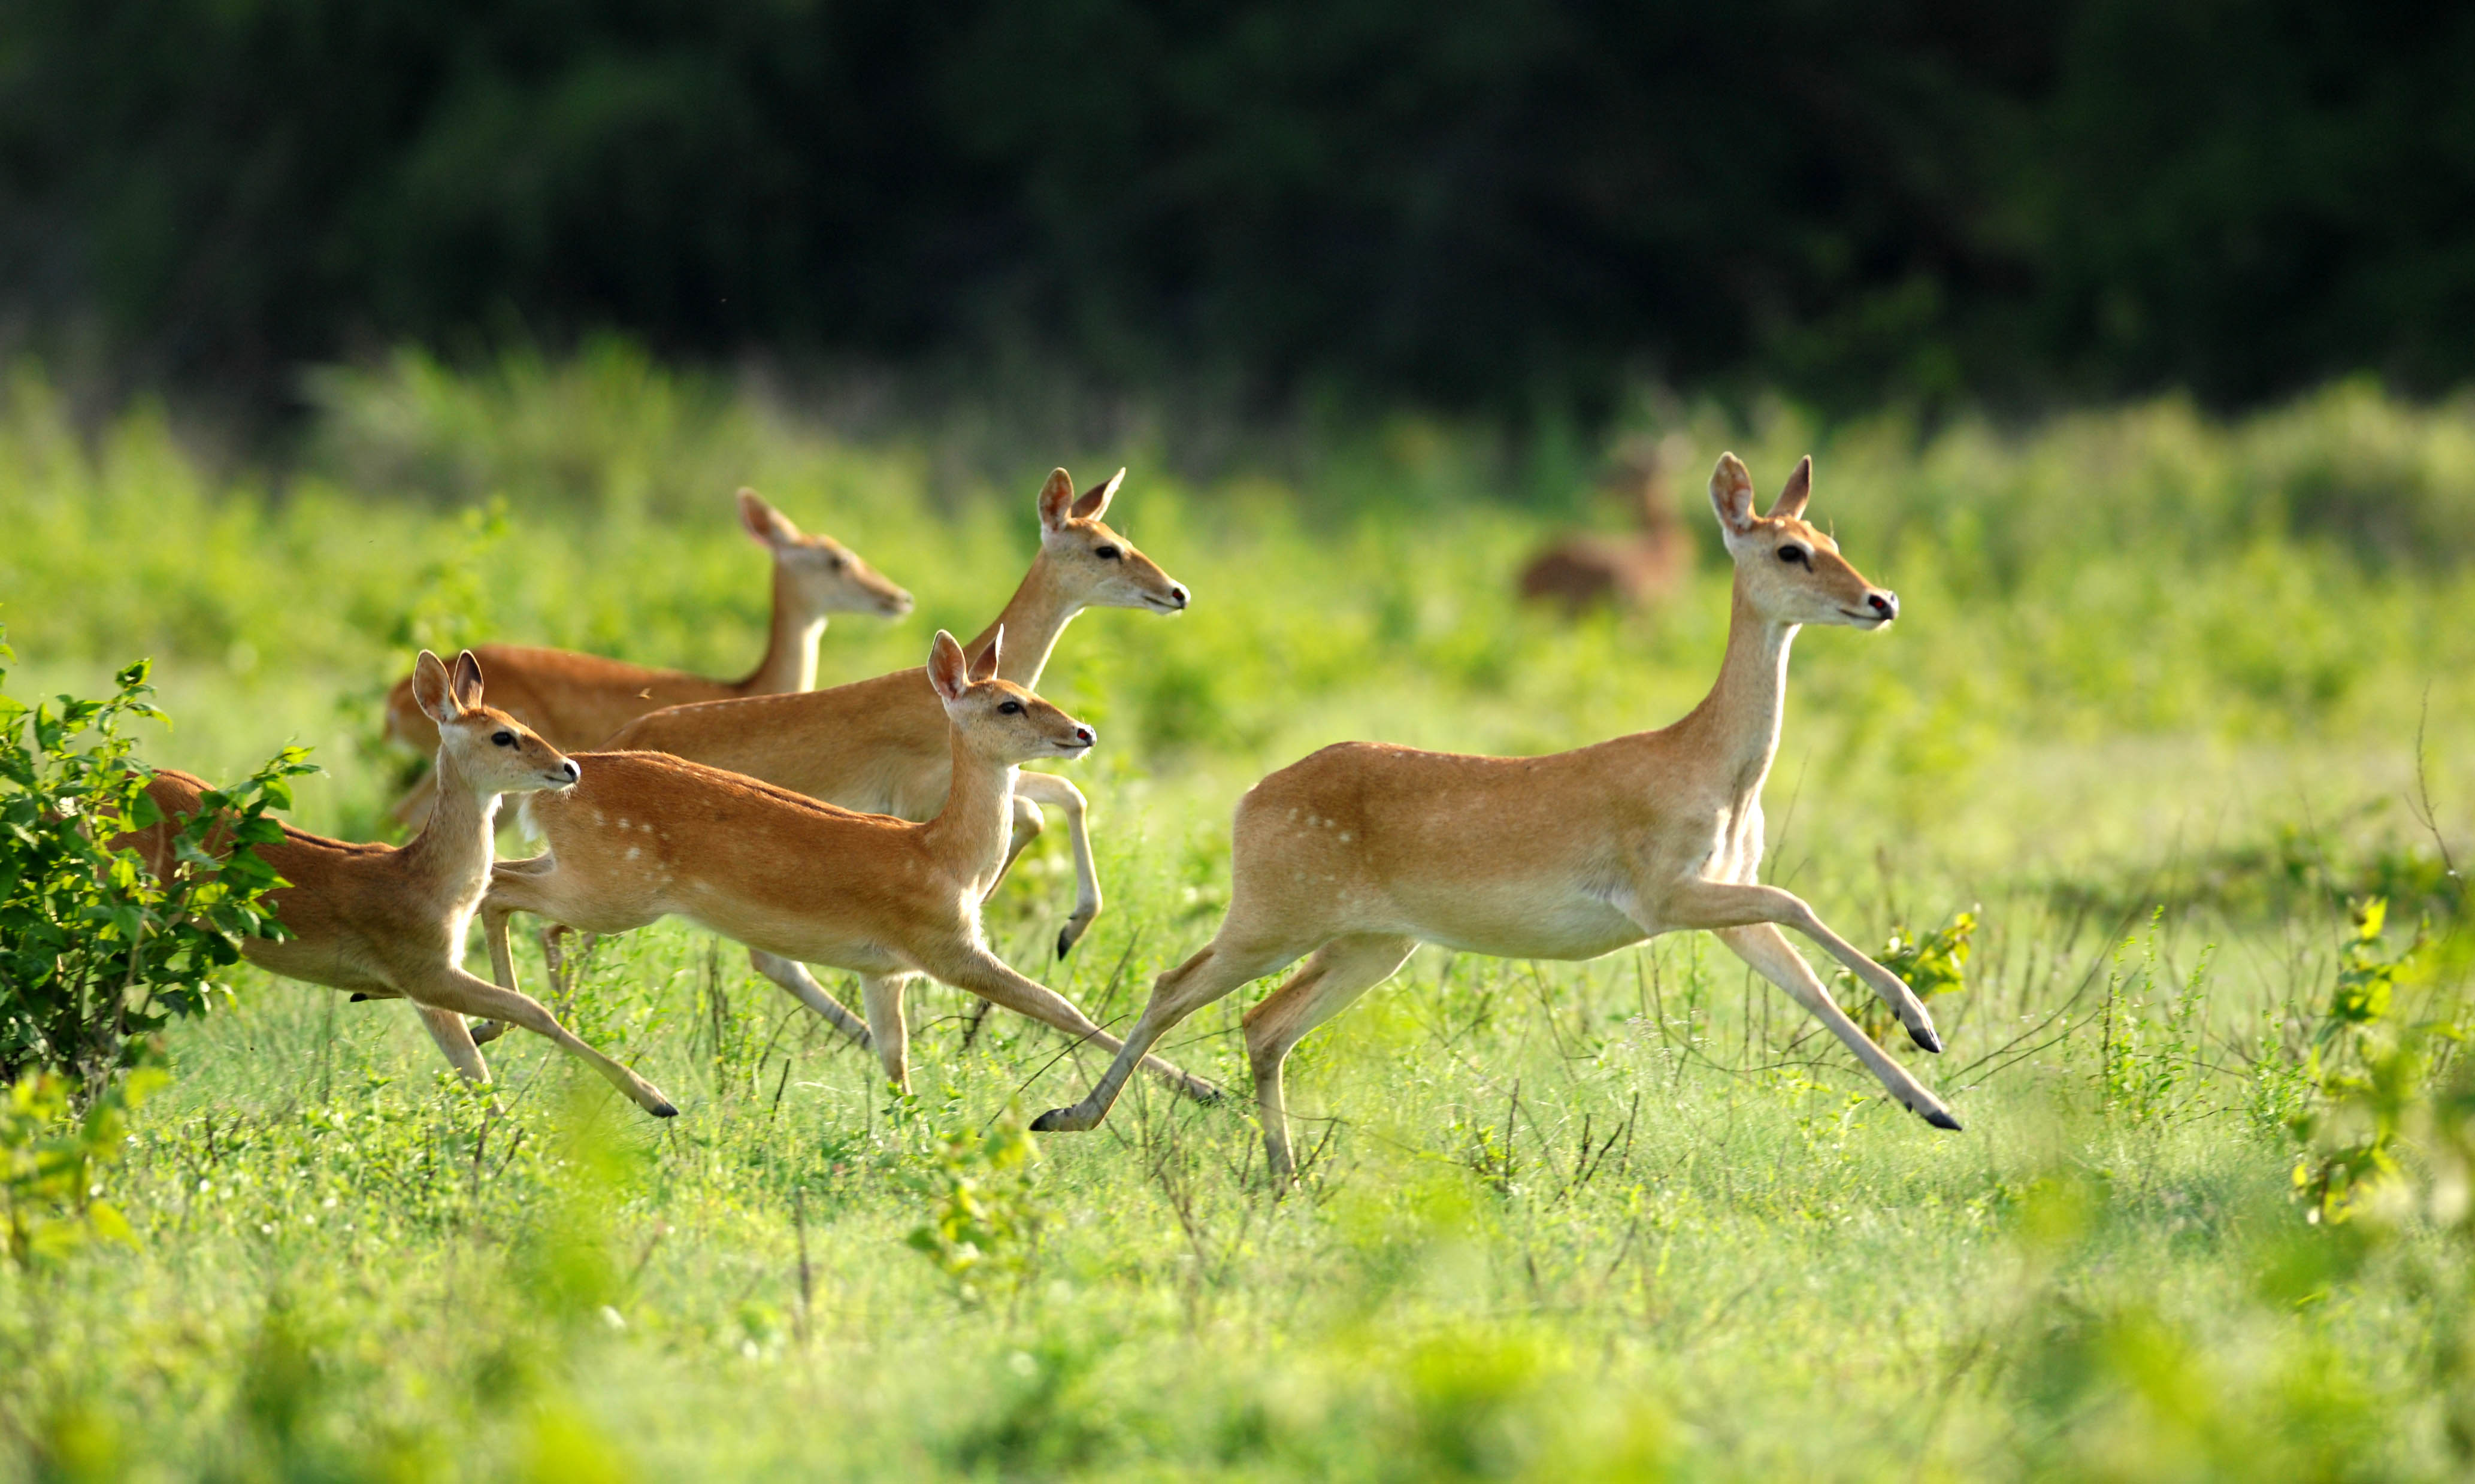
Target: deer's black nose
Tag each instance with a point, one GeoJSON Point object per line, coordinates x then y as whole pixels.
{"type": "Point", "coordinates": [1177, 594]}
{"type": "Point", "coordinates": [1887, 604]}
{"type": "Point", "coordinates": [573, 773]}
{"type": "Point", "coordinates": [1086, 736]}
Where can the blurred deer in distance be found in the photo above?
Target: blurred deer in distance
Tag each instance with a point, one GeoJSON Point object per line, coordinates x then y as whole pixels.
{"type": "Point", "coordinates": [1632, 572]}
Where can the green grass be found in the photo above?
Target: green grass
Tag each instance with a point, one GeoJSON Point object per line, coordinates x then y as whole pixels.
{"type": "Point", "coordinates": [2152, 710]}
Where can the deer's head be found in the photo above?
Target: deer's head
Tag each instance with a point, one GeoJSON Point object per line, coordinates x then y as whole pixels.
{"type": "Point", "coordinates": [496, 753]}
{"type": "Point", "coordinates": [1096, 565]}
{"type": "Point", "coordinates": [828, 576]}
{"type": "Point", "coordinates": [1791, 572]}
{"type": "Point", "coordinates": [998, 719]}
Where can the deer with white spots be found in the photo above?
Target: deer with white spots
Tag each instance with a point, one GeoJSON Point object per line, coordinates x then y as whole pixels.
{"type": "Point", "coordinates": [647, 836]}
{"type": "Point", "coordinates": [1354, 856]}
{"type": "Point", "coordinates": [577, 700]}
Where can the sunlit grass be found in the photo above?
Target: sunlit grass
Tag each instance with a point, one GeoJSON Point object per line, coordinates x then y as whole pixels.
{"type": "Point", "coordinates": [1558, 1221]}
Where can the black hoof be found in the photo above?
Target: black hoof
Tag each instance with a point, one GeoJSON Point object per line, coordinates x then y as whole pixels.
{"type": "Point", "coordinates": [1064, 941]}
{"type": "Point", "coordinates": [1941, 1120]}
{"type": "Point", "coordinates": [666, 1110]}
{"type": "Point", "coordinates": [1051, 1122]}
{"type": "Point", "coordinates": [357, 997]}
{"type": "Point", "coordinates": [1927, 1039]}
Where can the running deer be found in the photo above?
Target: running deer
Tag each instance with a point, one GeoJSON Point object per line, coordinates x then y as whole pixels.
{"type": "Point", "coordinates": [647, 836]}
{"type": "Point", "coordinates": [880, 746]}
{"type": "Point", "coordinates": [385, 922]}
{"type": "Point", "coordinates": [577, 700]}
{"type": "Point", "coordinates": [1631, 571]}
{"type": "Point", "coordinates": [1361, 851]}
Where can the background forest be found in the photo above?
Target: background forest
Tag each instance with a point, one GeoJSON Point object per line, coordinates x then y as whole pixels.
{"type": "Point", "coordinates": [1514, 206]}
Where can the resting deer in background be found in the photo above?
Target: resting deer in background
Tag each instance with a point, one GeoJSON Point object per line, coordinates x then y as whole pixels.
{"type": "Point", "coordinates": [577, 700]}
{"type": "Point", "coordinates": [1361, 851]}
{"type": "Point", "coordinates": [647, 836]}
{"type": "Point", "coordinates": [880, 746]}
{"type": "Point", "coordinates": [387, 922]}
{"type": "Point", "coordinates": [1632, 572]}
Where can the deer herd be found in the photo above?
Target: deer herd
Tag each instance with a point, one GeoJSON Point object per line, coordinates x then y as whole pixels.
{"type": "Point", "coordinates": [861, 827]}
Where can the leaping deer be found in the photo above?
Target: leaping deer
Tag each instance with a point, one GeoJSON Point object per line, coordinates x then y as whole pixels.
{"type": "Point", "coordinates": [577, 700]}
{"type": "Point", "coordinates": [389, 923]}
{"type": "Point", "coordinates": [881, 746]}
{"type": "Point", "coordinates": [1361, 851]}
{"type": "Point", "coordinates": [647, 836]}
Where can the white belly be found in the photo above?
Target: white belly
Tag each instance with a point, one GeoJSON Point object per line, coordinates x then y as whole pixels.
{"type": "Point", "coordinates": [1564, 926]}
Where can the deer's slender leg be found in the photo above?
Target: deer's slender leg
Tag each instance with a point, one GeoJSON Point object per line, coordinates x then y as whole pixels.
{"type": "Point", "coordinates": [456, 1039]}
{"type": "Point", "coordinates": [881, 994]}
{"type": "Point", "coordinates": [502, 965]}
{"type": "Point", "coordinates": [1061, 796]}
{"type": "Point", "coordinates": [793, 976]}
{"type": "Point", "coordinates": [1337, 974]}
{"type": "Point", "coordinates": [1714, 904]}
{"type": "Point", "coordinates": [1218, 968]}
{"type": "Point", "coordinates": [453, 990]}
{"type": "Point", "coordinates": [1776, 960]}
{"type": "Point", "coordinates": [983, 974]}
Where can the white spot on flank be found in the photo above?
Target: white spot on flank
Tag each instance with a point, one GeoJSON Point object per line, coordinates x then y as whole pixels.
{"type": "Point", "coordinates": [633, 852]}
{"type": "Point", "coordinates": [1345, 837]}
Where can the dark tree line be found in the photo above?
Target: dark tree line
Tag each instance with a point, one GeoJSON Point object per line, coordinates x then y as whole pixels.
{"type": "Point", "coordinates": [1471, 203]}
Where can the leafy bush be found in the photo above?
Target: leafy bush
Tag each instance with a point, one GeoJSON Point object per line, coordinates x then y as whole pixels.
{"type": "Point", "coordinates": [94, 949]}
{"type": "Point", "coordinates": [2369, 1076]}
{"type": "Point", "coordinates": [985, 1215]}
{"type": "Point", "coordinates": [1931, 963]}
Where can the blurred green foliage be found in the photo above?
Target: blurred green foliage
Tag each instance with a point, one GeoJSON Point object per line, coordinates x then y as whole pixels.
{"type": "Point", "coordinates": [53, 1152]}
{"type": "Point", "coordinates": [1515, 206]}
{"type": "Point", "coordinates": [984, 1212]}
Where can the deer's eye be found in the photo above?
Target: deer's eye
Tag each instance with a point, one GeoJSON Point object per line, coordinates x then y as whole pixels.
{"type": "Point", "coordinates": [503, 739]}
{"type": "Point", "coordinates": [1797, 555]}
{"type": "Point", "coordinates": [1010, 708]}
{"type": "Point", "coordinates": [1105, 553]}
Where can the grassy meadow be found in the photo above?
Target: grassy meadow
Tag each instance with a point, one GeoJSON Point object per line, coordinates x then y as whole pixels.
{"type": "Point", "coordinates": [2168, 695]}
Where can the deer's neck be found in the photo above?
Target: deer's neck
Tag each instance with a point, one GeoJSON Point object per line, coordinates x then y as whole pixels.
{"type": "Point", "coordinates": [970, 833]}
{"type": "Point", "coordinates": [1034, 617]}
{"type": "Point", "coordinates": [1737, 725]}
{"type": "Point", "coordinates": [452, 851]}
{"type": "Point", "coordinates": [790, 662]}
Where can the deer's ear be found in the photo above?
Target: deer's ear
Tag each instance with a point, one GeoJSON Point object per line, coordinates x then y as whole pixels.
{"type": "Point", "coordinates": [431, 688]}
{"type": "Point", "coordinates": [466, 684]}
{"type": "Point", "coordinates": [769, 527]}
{"type": "Point", "coordinates": [1731, 495]}
{"type": "Point", "coordinates": [985, 668]}
{"type": "Point", "coordinates": [949, 669]}
{"type": "Point", "coordinates": [1800, 489]}
{"type": "Point", "coordinates": [1094, 501]}
{"type": "Point", "coordinates": [1057, 500]}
